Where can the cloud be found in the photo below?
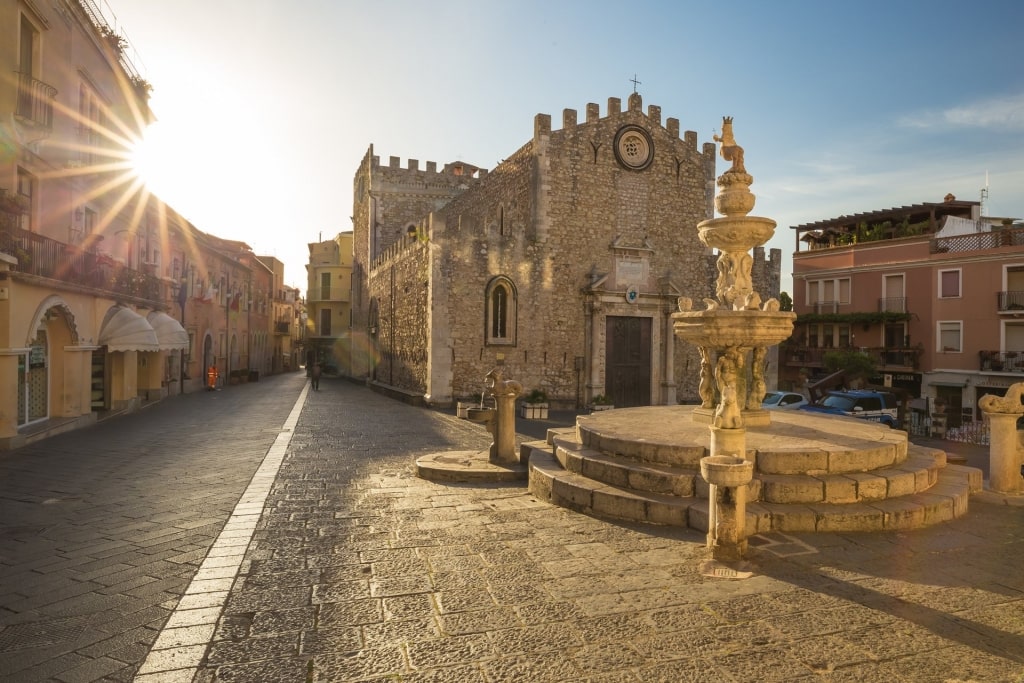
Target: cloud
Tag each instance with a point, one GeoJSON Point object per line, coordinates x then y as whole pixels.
{"type": "Point", "coordinates": [1006, 113]}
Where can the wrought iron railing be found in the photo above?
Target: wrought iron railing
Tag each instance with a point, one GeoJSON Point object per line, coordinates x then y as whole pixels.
{"type": "Point", "coordinates": [884, 357]}
{"type": "Point", "coordinates": [1010, 301]}
{"type": "Point", "coordinates": [892, 304]}
{"type": "Point", "coordinates": [82, 267]}
{"type": "Point", "coordinates": [1001, 361]}
{"type": "Point", "coordinates": [35, 101]}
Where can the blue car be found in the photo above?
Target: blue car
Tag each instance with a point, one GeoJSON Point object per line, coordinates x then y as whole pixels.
{"type": "Point", "coordinates": [876, 406]}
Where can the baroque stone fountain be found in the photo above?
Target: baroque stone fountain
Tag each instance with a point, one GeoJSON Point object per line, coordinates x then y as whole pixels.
{"type": "Point", "coordinates": [732, 334]}
{"type": "Point", "coordinates": [728, 467]}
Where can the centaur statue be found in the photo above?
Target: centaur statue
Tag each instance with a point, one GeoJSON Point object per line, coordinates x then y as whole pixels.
{"type": "Point", "coordinates": [730, 150]}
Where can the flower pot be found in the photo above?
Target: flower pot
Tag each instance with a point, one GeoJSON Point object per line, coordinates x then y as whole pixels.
{"type": "Point", "coordinates": [533, 411]}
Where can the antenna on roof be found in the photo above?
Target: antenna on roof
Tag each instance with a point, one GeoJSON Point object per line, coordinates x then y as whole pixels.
{"type": "Point", "coordinates": [984, 195]}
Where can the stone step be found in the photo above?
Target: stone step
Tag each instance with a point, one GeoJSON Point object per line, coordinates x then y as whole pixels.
{"type": "Point", "coordinates": [945, 500]}
{"type": "Point", "coordinates": [917, 473]}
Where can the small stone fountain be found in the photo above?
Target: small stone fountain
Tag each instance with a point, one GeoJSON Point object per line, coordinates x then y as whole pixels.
{"type": "Point", "coordinates": [501, 462]}
{"type": "Point", "coordinates": [732, 334]}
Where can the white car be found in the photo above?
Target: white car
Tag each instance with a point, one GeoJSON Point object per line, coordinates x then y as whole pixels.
{"type": "Point", "coordinates": [782, 400]}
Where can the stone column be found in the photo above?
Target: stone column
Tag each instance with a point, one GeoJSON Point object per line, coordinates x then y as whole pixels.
{"type": "Point", "coordinates": [503, 450]}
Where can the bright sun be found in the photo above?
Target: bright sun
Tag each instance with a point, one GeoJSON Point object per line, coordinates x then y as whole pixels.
{"type": "Point", "coordinates": [148, 159]}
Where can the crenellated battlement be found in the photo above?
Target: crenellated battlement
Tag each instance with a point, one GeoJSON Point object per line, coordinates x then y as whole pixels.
{"type": "Point", "coordinates": [570, 119]}
{"type": "Point", "coordinates": [454, 168]}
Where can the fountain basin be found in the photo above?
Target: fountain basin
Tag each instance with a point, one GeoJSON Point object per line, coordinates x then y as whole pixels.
{"type": "Point", "coordinates": [721, 328]}
{"type": "Point", "coordinates": [726, 470]}
{"type": "Point", "coordinates": [735, 233]}
{"type": "Point", "coordinates": [482, 415]}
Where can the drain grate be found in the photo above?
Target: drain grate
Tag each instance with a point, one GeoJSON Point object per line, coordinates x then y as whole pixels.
{"type": "Point", "coordinates": [39, 634]}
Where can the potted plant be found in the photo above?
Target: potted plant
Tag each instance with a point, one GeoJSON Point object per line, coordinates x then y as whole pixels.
{"type": "Point", "coordinates": [534, 406]}
{"type": "Point", "coordinates": [13, 202]}
{"type": "Point", "coordinates": [601, 402]}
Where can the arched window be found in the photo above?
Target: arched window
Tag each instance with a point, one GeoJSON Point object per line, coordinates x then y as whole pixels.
{"type": "Point", "coordinates": [501, 311]}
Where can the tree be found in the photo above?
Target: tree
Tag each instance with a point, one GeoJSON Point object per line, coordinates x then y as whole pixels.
{"type": "Point", "coordinates": [856, 364]}
{"type": "Point", "coordinates": [785, 302]}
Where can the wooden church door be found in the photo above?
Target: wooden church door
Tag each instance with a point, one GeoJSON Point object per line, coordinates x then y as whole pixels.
{"type": "Point", "coordinates": [628, 361]}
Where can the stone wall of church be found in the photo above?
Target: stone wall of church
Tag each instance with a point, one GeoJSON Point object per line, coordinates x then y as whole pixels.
{"type": "Point", "coordinates": [398, 285]}
{"type": "Point", "coordinates": [547, 218]}
{"type": "Point", "coordinates": [386, 201]}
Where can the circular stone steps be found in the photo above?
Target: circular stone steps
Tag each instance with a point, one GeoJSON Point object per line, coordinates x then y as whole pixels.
{"type": "Point", "coordinates": [812, 472]}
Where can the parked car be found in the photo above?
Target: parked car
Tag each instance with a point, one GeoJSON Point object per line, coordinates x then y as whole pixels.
{"type": "Point", "coordinates": [782, 400]}
{"type": "Point", "coordinates": [877, 406]}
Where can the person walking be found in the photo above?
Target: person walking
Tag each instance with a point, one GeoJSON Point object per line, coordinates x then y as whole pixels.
{"type": "Point", "coordinates": [315, 377]}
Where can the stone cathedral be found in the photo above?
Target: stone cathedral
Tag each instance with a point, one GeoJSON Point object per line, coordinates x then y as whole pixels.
{"type": "Point", "coordinates": [564, 263]}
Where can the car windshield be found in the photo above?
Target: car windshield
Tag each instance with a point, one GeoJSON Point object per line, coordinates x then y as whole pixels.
{"type": "Point", "coordinates": [772, 399]}
{"type": "Point", "coordinates": [839, 402]}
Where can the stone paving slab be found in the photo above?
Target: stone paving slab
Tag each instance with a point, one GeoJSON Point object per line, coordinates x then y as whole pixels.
{"type": "Point", "coordinates": [362, 571]}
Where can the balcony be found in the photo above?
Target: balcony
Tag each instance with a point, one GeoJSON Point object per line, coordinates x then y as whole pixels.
{"type": "Point", "coordinates": [885, 358]}
{"type": "Point", "coordinates": [892, 304]}
{"type": "Point", "coordinates": [1001, 361]}
{"type": "Point", "coordinates": [83, 268]}
{"type": "Point", "coordinates": [825, 306]}
{"type": "Point", "coordinates": [979, 241]}
{"type": "Point", "coordinates": [1010, 302]}
{"type": "Point", "coordinates": [282, 328]}
{"type": "Point", "coordinates": [35, 102]}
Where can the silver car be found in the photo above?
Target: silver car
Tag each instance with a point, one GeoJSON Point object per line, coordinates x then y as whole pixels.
{"type": "Point", "coordinates": [782, 400]}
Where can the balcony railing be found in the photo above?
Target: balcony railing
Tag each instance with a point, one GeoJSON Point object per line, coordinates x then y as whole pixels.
{"type": "Point", "coordinates": [44, 257]}
{"type": "Point", "coordinates": [1001, 361]}
{"type": "Point", "coordinates": [1010, 302]}
{"type": "Point", "coordinates": [35, 101]}
{"type": "Point", "coordinates": [884, 357]}
{"type": "Point", "coordinates": [978, 241]}
{"type": "Point", "coordinates": [892, 304]}
{"type": "Point", "coordinates": [826, 306]}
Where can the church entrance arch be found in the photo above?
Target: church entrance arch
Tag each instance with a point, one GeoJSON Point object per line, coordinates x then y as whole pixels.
{"type": "Point", "coordinates": [628, 361]}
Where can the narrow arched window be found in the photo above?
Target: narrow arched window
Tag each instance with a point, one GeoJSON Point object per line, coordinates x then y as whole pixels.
{"type": "Point", "coordinates": [501, 311]}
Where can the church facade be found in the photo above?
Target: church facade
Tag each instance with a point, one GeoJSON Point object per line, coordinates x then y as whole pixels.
{"type": "Point", "coordinates": [563, 263]}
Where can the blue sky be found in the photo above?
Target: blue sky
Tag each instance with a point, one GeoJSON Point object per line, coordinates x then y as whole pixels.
{"type": "Point", "coordinates": [266, 107]}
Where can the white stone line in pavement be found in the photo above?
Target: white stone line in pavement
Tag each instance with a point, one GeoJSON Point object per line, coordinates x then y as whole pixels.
{"type": "Point", "coordinates": [179, 649]}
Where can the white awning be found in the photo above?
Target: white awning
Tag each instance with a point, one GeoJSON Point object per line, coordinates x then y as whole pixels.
{"type": "Point", "coordinates": [169, 333]}
{"type": "Point", "coordinates": [125, 330]}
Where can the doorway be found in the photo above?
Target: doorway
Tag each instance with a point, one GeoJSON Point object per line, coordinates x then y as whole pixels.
{"type": "Point", "coordinates": [628, 361]}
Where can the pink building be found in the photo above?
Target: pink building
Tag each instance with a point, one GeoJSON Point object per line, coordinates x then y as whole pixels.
{"type": "Point", "coordinates": [934, 292]}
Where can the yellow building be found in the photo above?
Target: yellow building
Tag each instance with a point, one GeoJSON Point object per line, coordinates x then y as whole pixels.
{"type": "Point", "coordinates": [108, 298]}
{"type": "Point", "coordinates": [329, 303]}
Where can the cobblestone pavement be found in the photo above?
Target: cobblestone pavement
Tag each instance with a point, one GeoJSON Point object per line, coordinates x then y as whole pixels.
{"type": "Point", "coordinates": [359, 571]}
{"type": "Point", "coordinates": [102, 529]}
